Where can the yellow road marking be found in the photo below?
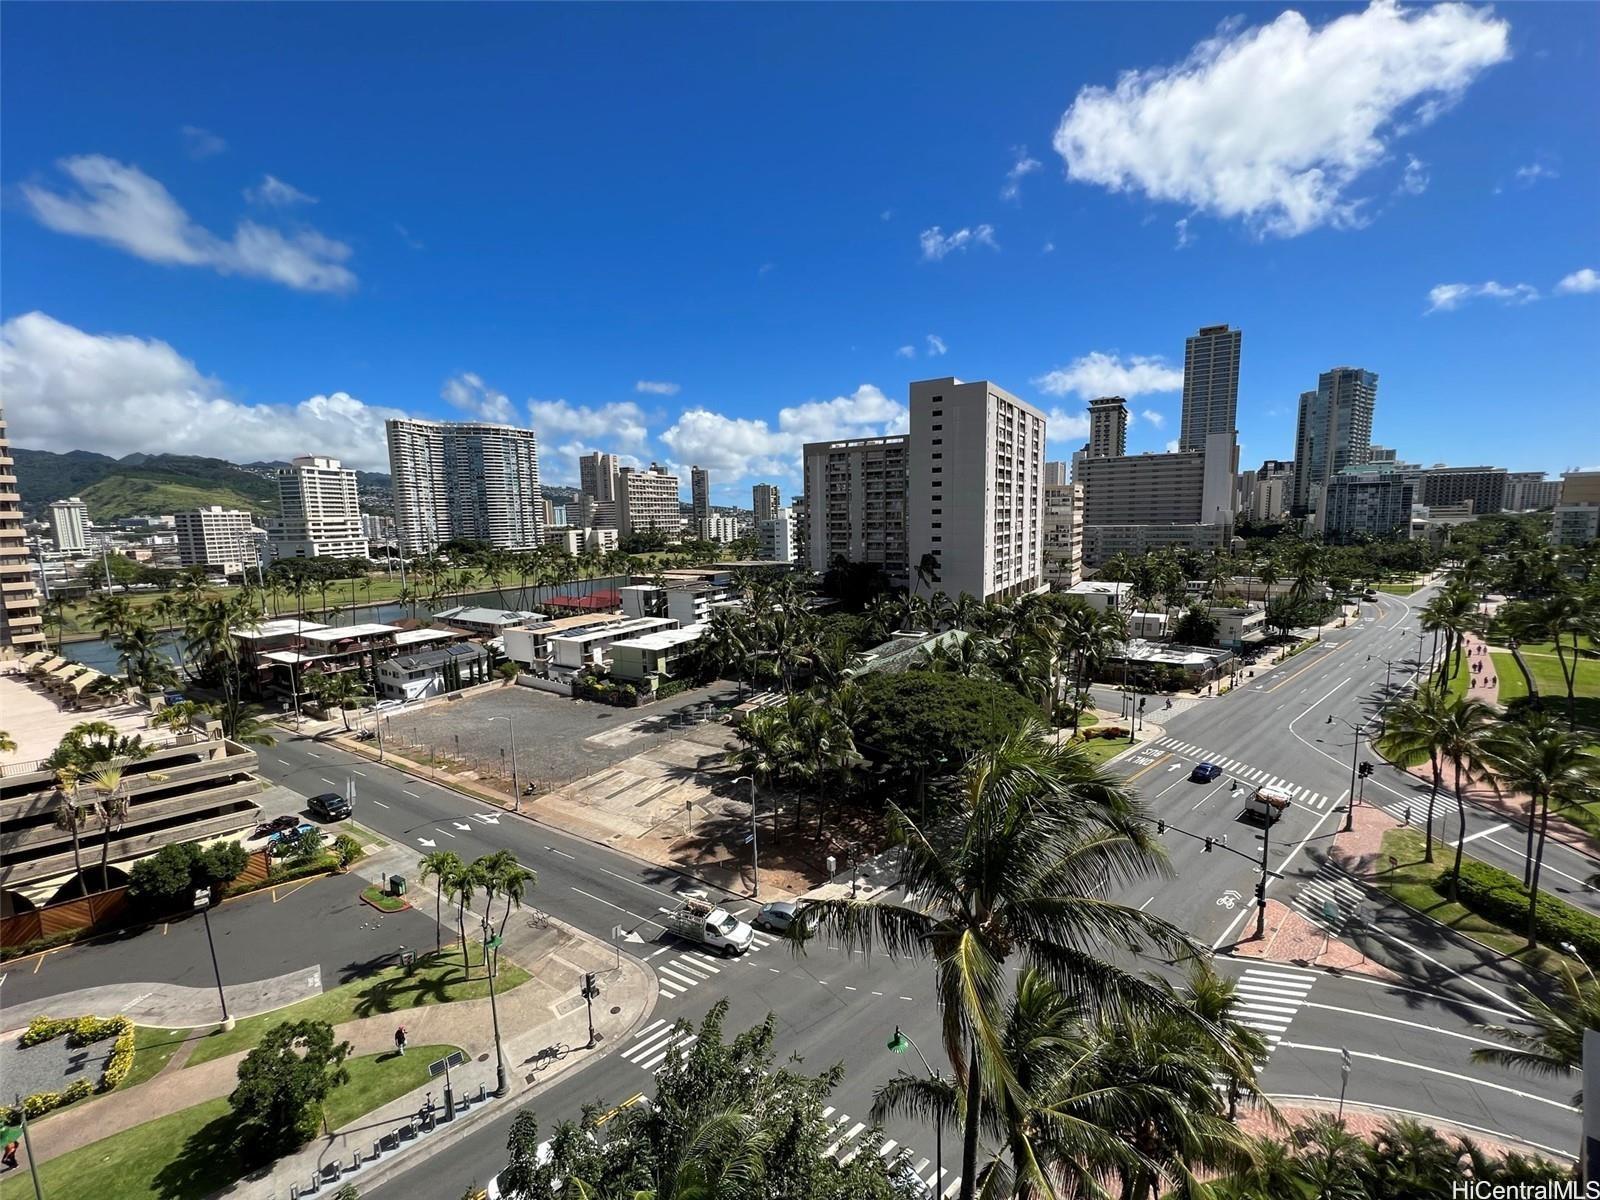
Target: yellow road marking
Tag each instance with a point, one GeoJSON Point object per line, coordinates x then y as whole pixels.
{"type": "Point", "coordinates": [1151, 767]}
{"type": "Point", "coordinates": [1316, 662]}
{"type": "Point", "coordinates": [292, 890]}
{"type": "Point", "coordinates": [628, 1103]}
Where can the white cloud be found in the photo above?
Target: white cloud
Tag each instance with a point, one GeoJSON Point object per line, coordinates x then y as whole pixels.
{"type": "Point", "coordinates": [1447, 296]}
{"type": "Point", "coordinates": [1274, 124]}
{"type": "Point", "coordinates": [936, 346]}
{"type": "Point", "coordinates": [936, 243]}
{"type": "Point", "coordinates": [123, 207]}
{"type": "Point", "coordinates": [906, 352]}
{"type": "Point", "coordinates": [1172, 446]}
{"type": "Point", "coordinates": [1159, 420]}
{"type": "Point", "coordinates": [1585, 280]}
{"type": "Point", "coordinates": [1062, 426]}
{"type": "Point", "coordinates": [469, 393]}
{"type": "Point", "coordinates": [115, 394]}
{"type": "Point", "coordinates": [1048, 248]}
{"type": "Point", "coordinates": [201, 143]}
{"type": "Point", "coordinates": [1020, 170]}
{"type": "Point", "coordinates": [1100, 374]}
{"type": "Point", "coordinates": [618, 427]}
{"type": "Point", "coordinates": [275, 192]}
{"type": "Point", "coordinates": [741, 447]}
{"type": "Point", "coordinates": [1414, 180]}
{"type": "Point", "coordinates": [1184, 236]}
{"type": "Point", "coordinates": [656, 387]}
{"type": "Point", "coordinates": [886, 215]}
{"type": "Point", "coordinates": [405, 236]}
{"type": "Point", "coordinates": [1535, 171]}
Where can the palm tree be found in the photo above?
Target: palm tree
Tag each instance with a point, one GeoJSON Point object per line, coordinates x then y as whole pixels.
{"type": "Point", "coordinates": [1412, 734]}
{"type": "Point", "coordinates": [1460, 740]}
{"type": "Point", "coordinates": [1036, 831]}
{"type": "Point", "coordinates": [249, 727]}
{"type": "Point", "coordinates": [8, 744]}
{"type": "Point", "coordinates": [440, 866]}
{"type": "Point", "coordinates": [1521, 621]}
{"type": "Point", "coordinates": [1453, 612]}
{"type": "Point", "coordinates": [111, 809]}
{"type": "Point", "coordinates": [1567, 614]}
{"type": "Point", "coordinates": [505, 877]}
{"type": "Point", "coordinates": [1215, 998]}
{"type": "Point", "coordinates": [1537, 759]}
{"type": "Point", "coordinates": [462, 885]}
{"type": "Point", "coordinates": [343, 690]}
{"type": "Point", "coordinates": [71, 817]}
{"type": "Point", "coordinates": [1267, 575]}
{"type": "Point", "coordinates": [1555, 1044]}
{"type": "Point", "coordinates": [110, 611]}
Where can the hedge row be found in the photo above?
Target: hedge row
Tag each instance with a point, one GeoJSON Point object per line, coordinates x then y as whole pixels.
{"type": "Point", "coordinates": [80, 1031]}
{"type": "Point", "coordinates": [50, 942]}
{"type": "Point", "coordinates": [1499, 896]}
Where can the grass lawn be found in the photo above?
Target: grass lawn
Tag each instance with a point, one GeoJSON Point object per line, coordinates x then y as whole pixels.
{"type": "Point", "coordinates": [376, 896]}
{"type": "Point", "coordinates": [390, 990]}
{"type": "Point", "coordinates": [1098, 750]}
{"type": "Point", "coordinates": [1400, 589]}
{"type": "Point", "coordinates": [152, 1049]}
{"type": "Point", "coordinates": [189, 1154]}
{"type": "Point", "coordinates": [1411, 883]}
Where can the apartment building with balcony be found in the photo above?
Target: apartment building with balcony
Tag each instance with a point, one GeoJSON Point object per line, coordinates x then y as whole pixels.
{"type": "Point", "coordinates": [319, 513]}
{"type": "Point", "coordinates": [21, 622]}
{"type": "Point", "coordinates": [856, 493]}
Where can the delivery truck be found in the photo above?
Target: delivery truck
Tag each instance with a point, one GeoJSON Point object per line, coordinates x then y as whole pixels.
{"type": "Point", "coordinates": [714, 928]}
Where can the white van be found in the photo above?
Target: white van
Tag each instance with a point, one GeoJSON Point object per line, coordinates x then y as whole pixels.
{"type": "Point", "coordinates": [1266, 804]}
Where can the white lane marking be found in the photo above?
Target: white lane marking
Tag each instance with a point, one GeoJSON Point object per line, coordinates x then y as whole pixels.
{"type": "Point", "coordinates": [1472, 837]}
{"type": "Point", "coordinates": [1372, 1016]}
{"type": "Point", "coordinates": [380, 804]}
{"type": "Point", "coordinates": [328, 781]}
{"type": "Point", "coordinates": [446, 832]}
{"type": "Point", "coordinates": [1416, 1066]}
{"type": "Point", "coordinates": [353, 771]}
{"type": "Point", "coordinates": [563, 853]}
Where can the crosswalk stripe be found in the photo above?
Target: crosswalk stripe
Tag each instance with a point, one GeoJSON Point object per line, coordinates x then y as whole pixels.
{"type": "Point", "coordinates": [887, 1148]}
{"type": "Point", "coordinates": [682, 978]}
{"type": "Point", "coordinates": [645, 1044]}
{"type": "Point", "coordinates": [702, 959]}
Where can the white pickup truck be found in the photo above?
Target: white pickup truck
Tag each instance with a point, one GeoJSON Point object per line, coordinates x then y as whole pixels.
{"type": "Point", "coordinates": [1266, 804]}
{"type": "Point", "coordinates": [712, 927]}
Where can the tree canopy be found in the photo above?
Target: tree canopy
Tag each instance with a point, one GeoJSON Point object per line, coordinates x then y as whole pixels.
{"type": "Point", "coordinates": [932, 721]}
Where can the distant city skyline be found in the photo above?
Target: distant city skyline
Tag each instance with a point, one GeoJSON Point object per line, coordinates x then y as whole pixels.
{"type": "Point", "coordinates": [281, 286]}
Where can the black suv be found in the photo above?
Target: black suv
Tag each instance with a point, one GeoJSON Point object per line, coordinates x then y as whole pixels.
{"type": "Point", "coordinates": [330, 806]}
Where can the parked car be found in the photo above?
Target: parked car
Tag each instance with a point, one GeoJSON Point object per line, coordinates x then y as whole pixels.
{"type": "Point", "coordinates": [330, 806]}
{"type": "Point", "coordinates": [1205, 772]}
{"type": "Point", "coordinates": [280, 841]}
{"type": "Point", "coordinates": [777, 916]}
{"type": "Point", "coordinates": [276, 825]}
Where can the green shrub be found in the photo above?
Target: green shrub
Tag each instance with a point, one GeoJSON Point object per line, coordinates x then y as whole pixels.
{"type": "Point", "coordinates": [23, 949]}
{"type": "Point", "coordinates": [1499, 896]}
{"type": "Point", "coordinates": [346, 849]}
{"type": "Point", "coordinates": [93, 1029]}
{"type": "Point", "coordinates": [121, 1060]}
{"type": "Point", "coordinates": [36, 1105]}
{"type": "Point", "coordinates": [77, 1090]}
{"type": "Point", "coordinates": [43, 1029]}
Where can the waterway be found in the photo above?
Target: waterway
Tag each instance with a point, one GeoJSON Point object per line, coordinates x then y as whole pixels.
{"type": "Point", "coordinates": [101, 655]}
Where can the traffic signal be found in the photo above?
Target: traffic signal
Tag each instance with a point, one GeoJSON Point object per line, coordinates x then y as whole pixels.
{"type": "Point", "coordinates": [1161, 826]}
{"type": "Point", "coordinates": [1364, 770]}
{"type": "Point", "coordinates": [591, 987]}
{"type": "Point", "coordinates": [1210, 841]}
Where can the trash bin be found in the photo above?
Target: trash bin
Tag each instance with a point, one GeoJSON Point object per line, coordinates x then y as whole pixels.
{"type": "Point", "coordinates": [397, 885]}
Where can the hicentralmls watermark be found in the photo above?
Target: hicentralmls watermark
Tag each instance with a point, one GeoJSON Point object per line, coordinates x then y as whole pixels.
{"type": "Point", "coordinates": [1484, 1189]}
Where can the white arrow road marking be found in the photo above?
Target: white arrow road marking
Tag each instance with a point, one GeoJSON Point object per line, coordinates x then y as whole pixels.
{"type": "Point", "coordinates": [422, 841]}
{"type": "Point", "coordinates": [462, 824]}
{"type": "Point", "coordinates": [487, 818]}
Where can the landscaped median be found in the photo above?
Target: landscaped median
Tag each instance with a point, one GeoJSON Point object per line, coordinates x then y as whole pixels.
{"type": "Point", "coordinates": [191, 1153]}
{"type": "Point", "coordinates": [1492, 908]}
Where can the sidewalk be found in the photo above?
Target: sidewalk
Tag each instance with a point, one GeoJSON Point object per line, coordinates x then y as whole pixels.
{"type": "Point", "coordinates": [545, 1010]}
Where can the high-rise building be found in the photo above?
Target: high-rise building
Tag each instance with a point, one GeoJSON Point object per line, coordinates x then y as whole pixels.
{"type": "Point", "coordinates": [766, 500]}
{"type": "Point", "coordinates": [1269, 499]}
{"type": "Point", "coordinates": [465, 479]}
{"type": "Point", "coordinates": [1334, 431]}
{"type": "Point", "coordinates": [976, 511]}
{"type": "Point", "coordinates": [802, 531]}
{"type": "Point", "coordinates": [700, 492]}
{"type": "Point", "coordinates": [1063, 534]}
{"type": "Point", "coordinates": [1575, 522]}
{"type": "Point", "coordinates": [21, 624]}
{"type": "Point", "coordinates": [1365, 503]}
{"type": "Point", "coordinates": [1210, 386]}
{"type": "Point", "coordinates": [717, 529]}
{"type": "Point", "coordinates": [647, 501]}
{"type": "Point", "coordinates": [1108, 427]}
{"type": "Point", "coordinates": [320, 516]}
{"type": "Point", "coordinates": [1056, 474]}
{"type": "Point", "coordinates": [69, 525]}
{"type": "Point", "coordinates": [776, 534]}
{"type": "Point", "coordinates": [1485, 487]}
{"type": "Point", "coordinates": [216, 537]}
{"type": "Point", "coordinates": [856, 493]}
{"type": "Point", "coordinates": [1135, 502]}
{"type": "Point", "coordinates": [597, 475]}
{"type": "Point", "coordinates": [1527, 491]}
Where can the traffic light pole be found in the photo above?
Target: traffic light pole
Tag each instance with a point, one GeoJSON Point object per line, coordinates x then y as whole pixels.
{"type": "Point", "coordinates": [1212, 843]}
{"type": "Point", "coordinates": [590, 991]}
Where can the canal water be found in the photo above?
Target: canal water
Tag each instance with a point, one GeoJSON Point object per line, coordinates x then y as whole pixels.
{"type": "Point", "coordinates": [101, 655]}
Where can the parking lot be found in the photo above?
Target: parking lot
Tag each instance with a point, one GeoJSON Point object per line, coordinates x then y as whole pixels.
{"type": "Point", "coordinates": [558, 740]}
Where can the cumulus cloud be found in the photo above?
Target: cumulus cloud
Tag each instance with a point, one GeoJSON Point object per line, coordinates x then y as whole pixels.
{"type": "Point", "coordinates": [1448, 296]}
{"type": "Point", "coordinates": [123, 207]}
{"type": "Point", "coordinates": [936, 346]}
{"type": "Point", "coordinates": [1184, 236]}
{"type": "Point", "coordinates": [1020, 170]}
{"type": "Point", "coordinates": [568, 430]}
{"type": "Point", "coordinates": [201, 143]}
{"type": "Point", "coordinates": [1414, 179]}
{"type": "Point", "coordinates": [657, 387]}
{"type": "Point", "coordinates": [1585, 280]}
{"type": "Point", "coordinates": [1100, 374]}
{"type": "Point", "coordinates": [67, 389]}
{"type": "Point", "coordinates": [1155, 418]}
{"type": "Point", "coordinates": [743, 447]}
{"type": "Point", "coordinates": [276, 193]}
{"type": "Point", "coordinates": [906, 352]}
{"type": "Point", "coordinates": [1172, 445]}
{"type": "Point", "coordinates": [469, 393]}
{"type": "Point", "coordinates": [1275, 123]}
{"type": "Point", "coordinates": [1062, 426]}
{"type": "Point", "coordinates": [936, 244]}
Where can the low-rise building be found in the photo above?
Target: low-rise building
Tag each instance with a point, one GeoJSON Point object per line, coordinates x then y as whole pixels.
{"type": "Point", "coordinates": [486, 622]}
{"type": "Point", "coordinates": [1102, 594]}
{"type": "Point", "coordinates": [653, 657]}
{"type": "Point", "coordinates": [685, 603]}
{"type": "Point", "coordinates": [1237, 626]}
{"type": "Point", "coordinates": [214, 536]}
{"type": "Point", "coordinates": [1148, 624]}
{"type": "Point", "coordinates": [1575, 524]}
{"type": "Point", "coordinates": [579, 539]}
{"type": "Point", "coordinates": [529, 646]}
{"type": "Point", "coordinates": [284, 657]}
{"type": "Point", "coordinates": [1148, 661]}
{"type": "Point", "coordinates": [433, 672]}
{"type": "Point", "coordinates": [586, 647]}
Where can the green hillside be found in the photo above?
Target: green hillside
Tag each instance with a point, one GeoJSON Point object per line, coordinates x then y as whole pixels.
{"type": "Point", "coordinates": [138, 493]}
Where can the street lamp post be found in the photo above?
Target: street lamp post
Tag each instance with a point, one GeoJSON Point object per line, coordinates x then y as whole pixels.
{"type": "Point", "coordinates": [1355, 752]}
{"type": "Point", "coordinates": [202, 901]}
{"type": "Point", "coordinates": [1344, 1078]}
{"type": "Point", "coordinates": [898, 1044]}
{"type": "Point", "coordinates": [755, 844]}
{"type": "Point", "coordinates": [516, 786]}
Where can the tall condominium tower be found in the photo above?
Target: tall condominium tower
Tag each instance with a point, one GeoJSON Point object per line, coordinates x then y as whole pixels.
{"type": "Point", "coordinates": [597, 475]}
{"type": "Point", "coordinates": [854, 506]}
{"type": "Point", "coordinates": [1334, 431]}
{"type": "Point", "coordinates": [465, 479]}
{"type": "Point", "coordinates": [700, 493]}
{"type": "Point", "coordinates": [21, 624]}
{"type": "Point", "coordinates": [1108, 427]}
{"type": "Point", "coordinates": [647, 501]}
{"type": "Point", "coordinates": [320, 516]}
{"type": "Point", "coordinates": [214, 536]}
{"type": "Point", "coordinates": [69, 525]}
{"type": "Point", "coordinates": [976, 510]}
{"type": "Point", "coordinates": [1210, 385]}
{"type": "Point", "coordinates": [766, 500]}
{"type": "Point", "coordinates": [1056, 474]}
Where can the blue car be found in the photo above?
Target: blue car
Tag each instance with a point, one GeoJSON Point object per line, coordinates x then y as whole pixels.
{"type": "Point", "coordinates": [1205, 773]}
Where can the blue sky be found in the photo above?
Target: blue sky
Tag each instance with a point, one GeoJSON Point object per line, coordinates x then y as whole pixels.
{"type": "Point", "coordinates": [708, 234]}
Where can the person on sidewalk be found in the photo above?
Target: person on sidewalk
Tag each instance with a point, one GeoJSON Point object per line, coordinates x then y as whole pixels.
{"type": "Point", "coordinates": [9, 1159]}
{"type": "Point", "coordinates": [400, 1040]}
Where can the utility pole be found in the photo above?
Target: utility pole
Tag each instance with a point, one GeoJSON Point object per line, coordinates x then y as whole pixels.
{"type": "Point", "coordinates": [755, 845]}
{"type": "Point", "coordinates": [1261, 885]}
{"type": "Point", "coordinates": [27, 1146]}
{"type": "Point", "coordinates": [202, 901]}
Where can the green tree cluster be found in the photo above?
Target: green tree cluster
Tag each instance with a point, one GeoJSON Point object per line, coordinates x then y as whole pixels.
{"type": "Point", "coordinates": [169, 877]}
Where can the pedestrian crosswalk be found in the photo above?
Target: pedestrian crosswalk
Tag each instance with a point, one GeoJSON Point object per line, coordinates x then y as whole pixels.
{"type": "Point", "coordinates": [1329, 899]}
{"type": "Point", "coordinates": [846, 1141]}
{"type": "Point", "coordinates": [690, 968]}
{"type": "Point", "coordinates": [1247, 774]}
{"type": "Point", "coordinates": [652, 1044]}
{"type": "Point", "coordinates": [1268, 998]}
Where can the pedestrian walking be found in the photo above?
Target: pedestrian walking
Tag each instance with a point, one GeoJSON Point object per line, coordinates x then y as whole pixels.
{"type": "Point", "coordinates": [400, 1040]}
{"type": "Point", "coordinates": [9, 1159]}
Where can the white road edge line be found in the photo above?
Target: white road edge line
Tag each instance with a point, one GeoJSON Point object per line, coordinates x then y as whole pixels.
{"type": "Point", "coordinates": [1430, 1118]}
{"type": "Point", "coordinates": [1415, 1066]}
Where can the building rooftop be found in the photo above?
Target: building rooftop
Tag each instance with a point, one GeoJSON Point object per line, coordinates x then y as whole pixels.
{"type": "Point", "coordinates": [1098, 587]}
{"type": "Point", "coordinates": [1162, 654]}
{"type": "Point", "coordinates": [414, 637]}
{"type": "Point", "coordinates": [487, 616]}
{"type": "Point", "coordinates": [433, 658]}
{"type": "Point", "coordinates": [627, 628]}
{"type": "Point", "coordinates": [600, 601]}
{"type": "Point", "coordinates": [560, 625]}
{"type": "Point", "coordinates": [278, 628]}
{"type": "Point", "coordinates": [338, 633]}
{"type": "Point", "coordinates": [292, 656]}
{"type": "Point", "coordinates": [664, 639]}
